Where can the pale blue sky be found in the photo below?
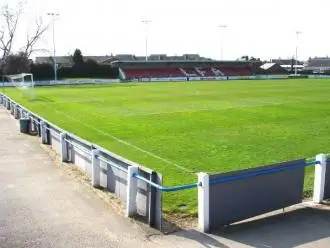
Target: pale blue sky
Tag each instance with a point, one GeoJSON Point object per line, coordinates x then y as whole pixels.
{"type": "Point", "coordinates": [262, 28]}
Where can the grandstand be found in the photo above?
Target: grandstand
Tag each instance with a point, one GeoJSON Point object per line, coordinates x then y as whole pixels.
{"type": "Point", "coordinates": [180, 67]}
{"type": "Point", "coordinates": [191, 68]}
{"type": "Point", "coordinates": [185, 66]}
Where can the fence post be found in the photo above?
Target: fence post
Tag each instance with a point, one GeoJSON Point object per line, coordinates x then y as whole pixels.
{"type": "Point", "coordinates": [28, 116]}
{"type": "Point", "coordinates": [95, 168]}
{"type": "Point", "coordinates": [24, 114]}
{"type": "Point", "coordinates": [203, 202]}
{"type": "Point", "coordinates": [319, 179]}
{"type": "Point", "coordinates": [16, 112]}
{"type": "Point", "coordinates": [131, 191]}
{"type": "Point", "coordinates": [64, 148]}
{"type": "Point", "coordinates": [43, 132]}
{"type": "Point", "coordinates": [33, 123]}
{"type": "Point", "coordinates": [12, 108]}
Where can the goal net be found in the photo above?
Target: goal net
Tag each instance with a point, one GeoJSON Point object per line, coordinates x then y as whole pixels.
{"type": "Point", "coordinates": [24, 83]}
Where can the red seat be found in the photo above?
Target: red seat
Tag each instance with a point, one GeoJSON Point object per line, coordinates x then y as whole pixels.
{"type": "Point", "coordinates": [228, 71]}
{"type": "Point", "coordinates": [191, 72]}
{"type": "Point", "coordinates": [167, 72]}
{"type": "Point", "coordinates": [136, 73]}
{"type": "Point", "coordinates": [236, 71]}
{"type": "Point", "coordinates": [244, 71]}
{"type": "Point", "coordinates": [206, 72]}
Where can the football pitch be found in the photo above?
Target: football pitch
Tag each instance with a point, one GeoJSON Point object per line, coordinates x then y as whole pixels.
{"type": "Point", "coordinates": [182, 128]}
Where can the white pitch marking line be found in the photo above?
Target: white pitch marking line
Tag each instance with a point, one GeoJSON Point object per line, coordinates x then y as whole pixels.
{"type": "Point", "coordinates": [126, 143]}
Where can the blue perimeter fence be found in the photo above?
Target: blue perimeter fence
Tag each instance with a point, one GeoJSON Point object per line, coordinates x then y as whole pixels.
{"type": "Point", "coordinates": [199, 184]}
{"type": "Point", "coordinates": [217, 181]}
{"type": "Point", "coordinates": [221, 180]}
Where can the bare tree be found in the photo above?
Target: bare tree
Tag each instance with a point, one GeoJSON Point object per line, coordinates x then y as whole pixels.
{"type": "Point", "coordinates": [8, 32]}
{"type": "Point", "coordinates": [31, 40]}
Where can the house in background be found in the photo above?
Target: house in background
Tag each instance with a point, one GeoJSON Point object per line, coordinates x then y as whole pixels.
{"type": "Point", "coordinates": [289, 64]}
{"type": "Point", "coordinates": [318, 65]}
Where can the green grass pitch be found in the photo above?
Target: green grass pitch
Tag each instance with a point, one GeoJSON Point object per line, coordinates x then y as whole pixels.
{"type": "Point", "coordinates": [180, 129]}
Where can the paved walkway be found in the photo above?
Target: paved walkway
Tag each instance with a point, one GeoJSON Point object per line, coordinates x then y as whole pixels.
{"type": "Point", "coordinates": [41, 205]}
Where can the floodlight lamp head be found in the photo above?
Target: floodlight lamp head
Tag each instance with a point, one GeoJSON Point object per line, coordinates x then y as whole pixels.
{"type": "Point", "coordinates": [53, 14]}
{"type": "Point", "coordinates": [146, 21]}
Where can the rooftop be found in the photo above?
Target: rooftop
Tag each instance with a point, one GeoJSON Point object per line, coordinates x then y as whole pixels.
{"type": "Point", "coordinates": [108, 59]}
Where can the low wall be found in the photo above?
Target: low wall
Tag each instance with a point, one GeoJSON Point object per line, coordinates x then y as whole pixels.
{"type": "Point", "coordinates": [227, 198]}
{"type": "Point", "coordinates": [218, 78]}
{"type": "Point", "coordinates": [318, 76]}
{"type": "Point", "coordinates": [271, 76]}
{"type": "Point", "coordinates": [170, 79]}
{"type": "Point", "coordinates": [327, 181]}
{"type": "Point", "coordinates": [66, 82]}
{"type": "Point", "coordinates": [55, 139]}
{"type": "Point", "coordinates": [104, 168]}
{"type": "Point", "coordinates": [258, 195]}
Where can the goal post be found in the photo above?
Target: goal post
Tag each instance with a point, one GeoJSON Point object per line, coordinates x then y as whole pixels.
{"type": "Point", "coordinates": [23, 82]}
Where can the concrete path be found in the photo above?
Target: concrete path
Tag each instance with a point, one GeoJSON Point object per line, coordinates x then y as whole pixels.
{"type": "Point", "coordinates": [41, 205]}
{"type": "Point", "coordinates": [302, 226]}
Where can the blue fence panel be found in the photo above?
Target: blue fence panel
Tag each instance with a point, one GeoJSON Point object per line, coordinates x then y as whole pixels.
{"type": "Point", "coordinates": [239, 195]}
